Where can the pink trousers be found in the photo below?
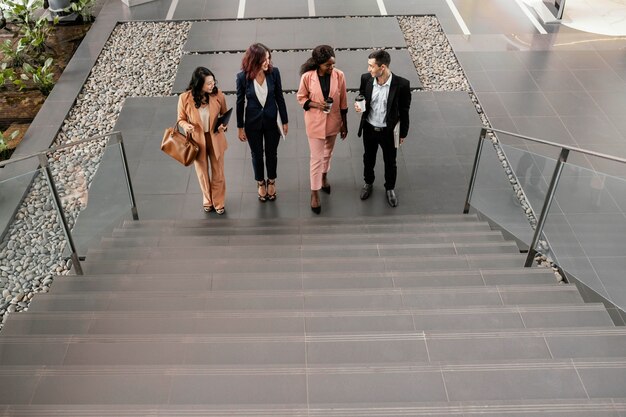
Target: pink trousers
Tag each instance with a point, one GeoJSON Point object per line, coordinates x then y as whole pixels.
{"type": "Point", "coordinates": [321, 152]}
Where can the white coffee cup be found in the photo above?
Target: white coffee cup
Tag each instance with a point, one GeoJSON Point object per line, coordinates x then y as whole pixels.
{"type": "Point", "coordinates": [329, 103]}
{"type": "Point", "coordinates": [360, 102]}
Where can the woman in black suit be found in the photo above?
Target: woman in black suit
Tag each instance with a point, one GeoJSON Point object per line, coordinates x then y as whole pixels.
{"type": "Point", "coordinates": [260, 93]}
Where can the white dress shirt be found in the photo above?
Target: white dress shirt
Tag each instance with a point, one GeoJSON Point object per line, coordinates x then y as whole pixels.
{"type": "Point", "coordinates": [378, 105]}
{"type": "Point", "coordinates": [261, 92]}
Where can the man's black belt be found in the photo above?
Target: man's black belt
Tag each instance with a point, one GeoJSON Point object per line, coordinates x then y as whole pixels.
{"type": "Point", "coordinates": [375, 128]}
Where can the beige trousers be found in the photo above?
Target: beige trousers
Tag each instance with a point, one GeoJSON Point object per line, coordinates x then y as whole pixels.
{"type": "Point", "coordinates": [214, 186]}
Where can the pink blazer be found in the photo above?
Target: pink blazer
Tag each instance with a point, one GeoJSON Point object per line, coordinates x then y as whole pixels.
{"type": "Point", "coordinates": [318, 124]}
{"type": "Point", "coordinates": [188, 114]}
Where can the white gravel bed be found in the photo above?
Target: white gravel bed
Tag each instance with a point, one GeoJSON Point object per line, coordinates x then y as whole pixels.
{"type": "Point", "coordinates": [139, 59]}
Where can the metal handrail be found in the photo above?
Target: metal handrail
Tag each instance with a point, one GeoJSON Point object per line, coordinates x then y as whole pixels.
{"type": "Point", "coordinates": [45, 166]}
{"type": "Point", "coordinates": [554, 182]}
{"type": "Point", "coordinates": [58, 147]}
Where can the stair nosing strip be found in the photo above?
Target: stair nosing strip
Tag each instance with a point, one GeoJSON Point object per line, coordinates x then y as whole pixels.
{"type": "Point", "coordinates": [185, 370]}
{"type": "Point", "coordinates": [314, 338]}
{"type": "Point", "coordinates": [94, 314]}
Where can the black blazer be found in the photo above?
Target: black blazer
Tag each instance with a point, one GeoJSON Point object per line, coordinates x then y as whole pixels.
{"type": "Point", "coordinates": [398, 102]}
{"type": "Point", "coordinates": [254, 112]}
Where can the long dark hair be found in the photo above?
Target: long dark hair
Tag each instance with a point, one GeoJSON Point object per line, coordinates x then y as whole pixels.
{"type": "Point", "coordinates": [320, 54]}
{"type": "Point", "coordinates": [253, 60]}
{"type": "Point", "coordinates": [196, 84]}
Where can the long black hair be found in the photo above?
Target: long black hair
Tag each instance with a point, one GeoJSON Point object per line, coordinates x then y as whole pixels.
{"type": "Point", "coordinates": [320, 54]}
{"type": "Point", "coordinates": [196, 84]}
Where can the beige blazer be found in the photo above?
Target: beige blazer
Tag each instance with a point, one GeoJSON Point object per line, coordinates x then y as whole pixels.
{"type": "Point", "coordinates": [318, 124]}
{"type": "Point", "coordinates": [188, 114]}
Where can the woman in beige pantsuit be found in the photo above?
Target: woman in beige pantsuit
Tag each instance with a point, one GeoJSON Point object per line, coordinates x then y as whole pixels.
{"type": "Point", "coordinates": [198, 110]}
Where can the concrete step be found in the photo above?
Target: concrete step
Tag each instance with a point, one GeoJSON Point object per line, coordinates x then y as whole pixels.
{"type": "Point", "coordinates": [322, 229]}
{"type": "Point", "coordinates": [314, 350]}
{"type": "Point", "coordinates": [315, 300]}
{"type": "Point", "coordinates": [297, 265]}
{"type": "Point", "coordinates": [314, 222]}
{"type": "Point", "coordinates": [310, 323]}
{"type": "Point", "coordinates": [323, 386]}
{"type": "Point", "coordinates": [258, 281]}
{"type": "Point", "coordinates": [570, 407]}
{"type": "Point", "coordinates": [303, 240]}
{"type": "Point", "coordinates": [285, 251]}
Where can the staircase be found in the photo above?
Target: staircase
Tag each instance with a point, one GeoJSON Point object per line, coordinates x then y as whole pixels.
{"type": "Point", "coordinates": [390, 316]}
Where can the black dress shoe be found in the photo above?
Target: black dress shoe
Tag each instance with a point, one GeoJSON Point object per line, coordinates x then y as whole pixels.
{"type": "Point", "coordinates": [391, 198]}
{"type": "Point", "coordinates": [326, 188]}
{"type": "Point", "coordinates": [366, 191]}
{"type": "Point", "coordinates": [316, 210]}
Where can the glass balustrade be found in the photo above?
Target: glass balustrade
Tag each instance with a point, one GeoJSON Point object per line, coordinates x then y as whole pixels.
{"type": "Point", "coordinates": [85, 185]}
{"type": "Point", "coordinates": [578, 199]}
{"type": "Point", "coordinates": [586, 230]}
{"type": "Point", "coordinates": [95, 195]}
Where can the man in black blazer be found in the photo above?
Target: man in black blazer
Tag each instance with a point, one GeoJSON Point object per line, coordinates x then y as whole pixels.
{"type": "Point", "coordinates": [388, 99]}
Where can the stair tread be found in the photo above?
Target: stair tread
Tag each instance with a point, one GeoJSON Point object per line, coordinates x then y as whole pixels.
{"type": "Point", "coordinates": [326, 292]}
{"type": "Point", "coordinates": [316, 386]}
{"type": "Point", "coordinates": [591, 333]}
{"type": "Point", "coordinates": [369, 300]}
{"type": "Point", "coordinates": [299, 281]}
{"type": "Point", "coordinates": [295, 251]}
{"type": "Point", "coordinates": [405, 218]}
{"type": "Point", "coordinates": [513, 365]}
{"type": "Point", "coordinates": [313, 322]}
{"type": "Point", "coordinates": [356, 264]}
{"type": "Point", "coordinates": [548, 308]}
{"type": "Point", "coordinates": [609, 407]}
{"type": "Point", "coordinates": [303, 230]}
{"type": "Point", "coordinates": [304, 240]}
{"type": "Point", "coordinates": [376, 349]}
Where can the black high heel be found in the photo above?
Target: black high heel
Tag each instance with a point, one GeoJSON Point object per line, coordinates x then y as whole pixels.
{"type": "Point", "coordinates": [262, 187]}
{"type": "Point", "coordinates": [272, 196]}
{"type": "Point", "coordinates": [315, 209]}
{"type": "Point", "coordinates": [325, 188]}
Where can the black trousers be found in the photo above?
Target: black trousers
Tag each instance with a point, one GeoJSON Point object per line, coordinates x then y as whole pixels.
{"type": "Point", "coordinates": [372, 139]}
{"type": "Point", "coordinates": [264, 141]}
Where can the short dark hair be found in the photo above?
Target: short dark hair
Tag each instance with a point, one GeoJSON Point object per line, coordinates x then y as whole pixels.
{"type": "Point", "coordinates": [381, 56]}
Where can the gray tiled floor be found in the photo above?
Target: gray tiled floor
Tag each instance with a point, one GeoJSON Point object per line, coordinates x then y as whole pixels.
{"type": "Point", "coordinates": [352, 63]}
{"type": "Point", "coordinates": [440, 122]}
{"type": "Point", "coordinates": [294, 34]}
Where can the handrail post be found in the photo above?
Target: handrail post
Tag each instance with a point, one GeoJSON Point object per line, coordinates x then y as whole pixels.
{"type": "Point", "coordinates": [470, 190]}
{"type": "Point", "coordinates": [556, 176]}
{"type": "Point", "coordinates": [43, 161]}
{"type": "Point", "coordinates": [129, 184]}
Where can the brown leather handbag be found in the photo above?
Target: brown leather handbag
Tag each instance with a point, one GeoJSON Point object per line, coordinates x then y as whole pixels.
{"type": "Point", "coordinates": [180, 147]}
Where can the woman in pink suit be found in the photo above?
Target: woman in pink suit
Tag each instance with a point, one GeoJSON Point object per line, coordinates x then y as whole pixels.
{"type": "Point", "coordinates": [322, 94]}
